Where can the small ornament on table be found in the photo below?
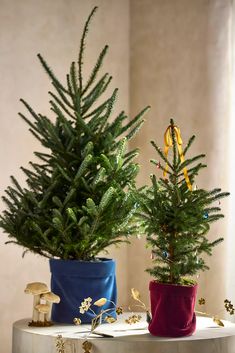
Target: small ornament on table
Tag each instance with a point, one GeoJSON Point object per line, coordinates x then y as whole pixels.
{"type": "Point", "coordinates": [60, 344]}
{"type": "Point", "coordinates": [109, 319]}
{"type": "Point", "coordinates": [103, 316]}
{"type": "Point", "coordinates": [42, 303]}
{"type": "Point", "coordinates": [229, 306]}
{"type": "Point", "coordinates": [77, 321]}
{"type": "Point", "coordinates": [119, 310]}
{"type": "Point", "coordinates": [201, 301]}
{"type": "Point", "coordinates": [87, 346]}
{"type": "Point", "coordinates": [64, 346]}
{"type": "Point", "coordinates": [133, 319]}
{"type": "Point", "coordinates": [135, 294]}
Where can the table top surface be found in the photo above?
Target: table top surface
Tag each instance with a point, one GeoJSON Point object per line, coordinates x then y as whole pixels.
{"type": "Point", "coordinates": [121, 331]}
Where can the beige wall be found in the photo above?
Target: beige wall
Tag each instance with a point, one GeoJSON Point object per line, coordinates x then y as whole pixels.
{"type": "Point", "coordinates": [52, 28]}
{"type": "Point", "coordinates": [230, 278]}
{"type": "Point", "coordinates": [179, 64]}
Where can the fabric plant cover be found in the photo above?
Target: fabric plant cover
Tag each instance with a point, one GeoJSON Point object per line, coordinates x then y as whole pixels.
{"type": "Point", "coordinates": [75, 280]}
{"type": "Point", "coordinates": [172, 308]}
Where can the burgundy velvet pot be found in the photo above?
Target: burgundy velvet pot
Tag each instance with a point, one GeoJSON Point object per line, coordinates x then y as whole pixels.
{"type": "Point", "coordinates": [172, 308]}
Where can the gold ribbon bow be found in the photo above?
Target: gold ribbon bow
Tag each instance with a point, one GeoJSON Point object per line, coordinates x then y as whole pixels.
{"type": "Point", "coordinates": [169, 143]}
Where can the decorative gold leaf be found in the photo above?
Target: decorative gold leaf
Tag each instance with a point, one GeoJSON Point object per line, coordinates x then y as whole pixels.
{"type": "Point", "coordinates": [110, 319]}
{"type": "Point", "coordinates": [95, 322]}
{"type": "Point", "coordinates": [100, 302]}
{"type": "Point", "coordinates": [229, 306]}
{"type": "Point", "coordinates": [87, 346]}
{"type": "Point", "coordinates": [119, 310]}
{"type": "Point", "coordinates": [135, 294]}
{"type": "Point", "coordinates": [218, 321]}
{"type": "Point", "coordinates": [201, 301]}
{"type": "Point", "coordinates": [60, 344]}
{"type": "Point", "coordinates": [133, 319]}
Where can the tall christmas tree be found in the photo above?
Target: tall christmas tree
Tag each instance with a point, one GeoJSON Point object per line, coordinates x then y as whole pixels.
{"type": "Point", "coordinates": [77, 201]}
{"type": "Point", "coordinates": [176, 216]}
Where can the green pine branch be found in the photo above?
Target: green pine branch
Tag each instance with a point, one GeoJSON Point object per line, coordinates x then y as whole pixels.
{"type": "Point", "coordinates": [176, 219]}
{"type": "Point", "coordinates": [79, 195]}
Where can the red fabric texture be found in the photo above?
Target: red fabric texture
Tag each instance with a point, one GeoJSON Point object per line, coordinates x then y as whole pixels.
{"type": "Point", "coordinates": [172, 308]}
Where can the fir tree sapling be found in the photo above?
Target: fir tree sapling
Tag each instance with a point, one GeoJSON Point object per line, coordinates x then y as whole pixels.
{"type": "Point", "coordinates": [78, 199]}
{"type": "Point", "coordinates": [177, 217]}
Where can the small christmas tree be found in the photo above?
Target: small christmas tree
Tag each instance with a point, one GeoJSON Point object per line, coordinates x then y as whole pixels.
{"type": "Point", "coordinates": [78, 200]}
{"type": "Point", "coordinates": [176, 216]}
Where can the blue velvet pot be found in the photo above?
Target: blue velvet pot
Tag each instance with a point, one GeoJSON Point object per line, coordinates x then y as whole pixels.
{"type": "Point", "coordinates": [75, 280]}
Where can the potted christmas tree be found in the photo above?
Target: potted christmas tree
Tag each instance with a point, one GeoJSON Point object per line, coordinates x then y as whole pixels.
{"type": "Point", "coordinates": [78, 199]}
{"type": "Point", "coordinates": [177, 218]}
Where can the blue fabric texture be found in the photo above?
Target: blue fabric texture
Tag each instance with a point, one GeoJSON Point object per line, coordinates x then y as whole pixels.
{"type": "Point", "coordinates": [74, 280]}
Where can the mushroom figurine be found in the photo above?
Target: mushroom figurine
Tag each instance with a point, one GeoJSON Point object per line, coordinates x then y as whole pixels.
{"type": "Point", "coordinates": [36, 289]}
{"type": "Point", "coordinates": [43, 310]}
{"type": "Point", "coordinates": [50, 299]}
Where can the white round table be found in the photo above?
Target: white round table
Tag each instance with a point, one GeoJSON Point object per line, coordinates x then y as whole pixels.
{"type": "Point", "coordinates": [135, 338]}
